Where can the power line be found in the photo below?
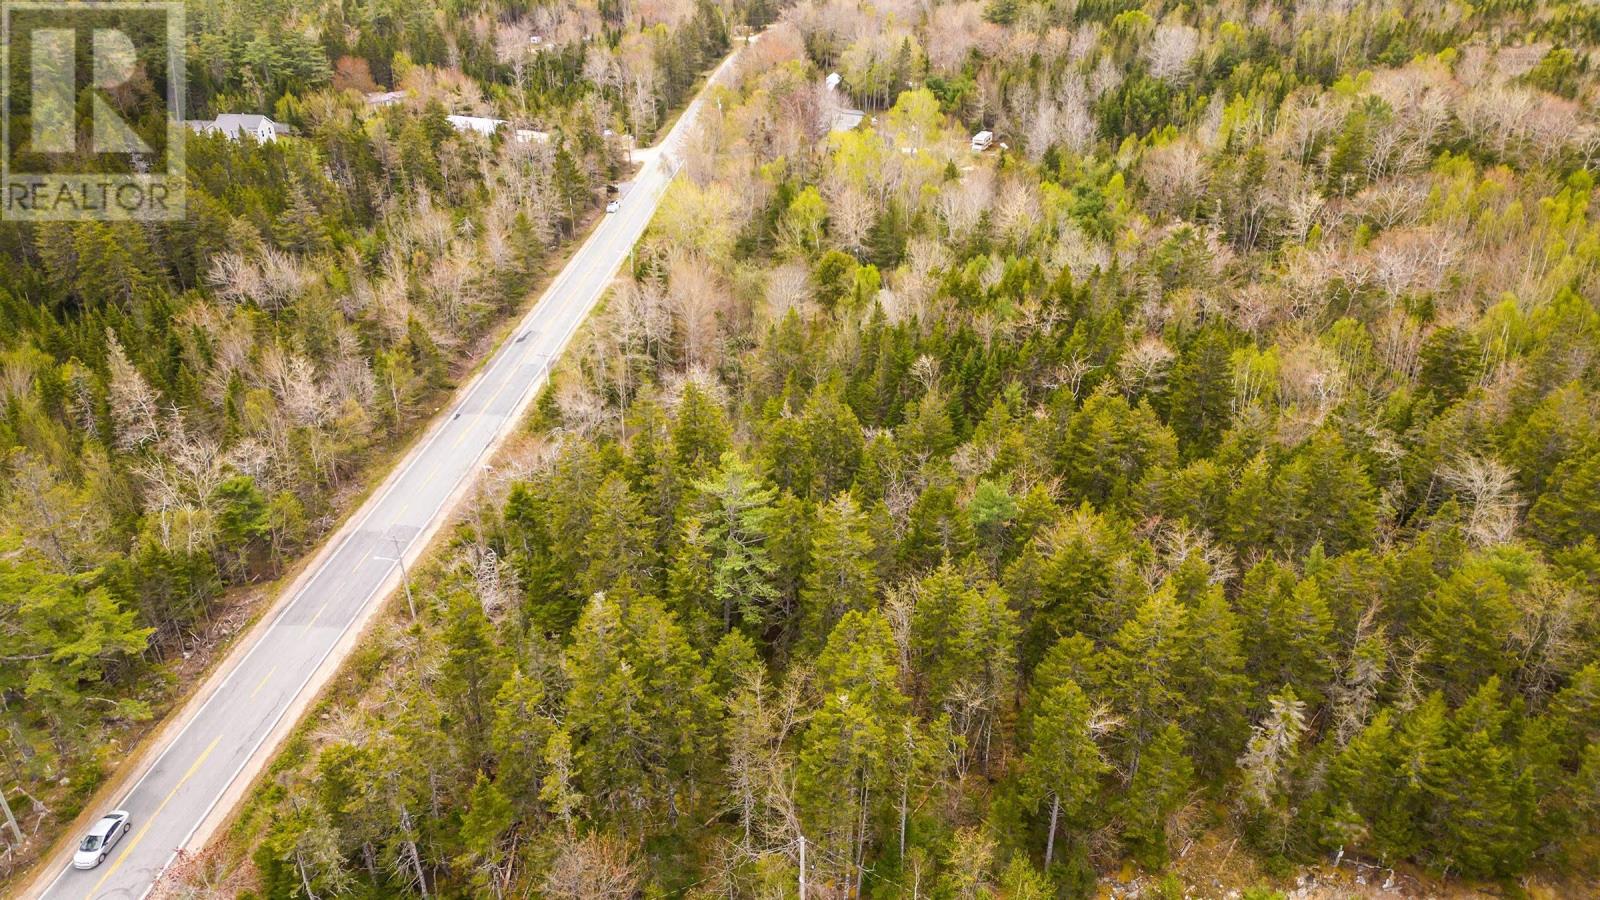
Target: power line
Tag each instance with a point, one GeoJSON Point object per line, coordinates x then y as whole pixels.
{"type": "Point", "coordinates": [784, 848]}
{"type": "Point", "coordinates": [867, 870]}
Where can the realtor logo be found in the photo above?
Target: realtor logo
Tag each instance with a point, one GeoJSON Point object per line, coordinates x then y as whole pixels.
{"type": "Point", "coordinates": [91, 110]}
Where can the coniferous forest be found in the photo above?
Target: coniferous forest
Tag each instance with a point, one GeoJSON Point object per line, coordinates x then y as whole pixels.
{"type": "Point", "coordinates": [187, 407]}
{"type": "Point", "coordinates": [1200, 484]}
{"type": "Point", "coordinates": [1197, 488]}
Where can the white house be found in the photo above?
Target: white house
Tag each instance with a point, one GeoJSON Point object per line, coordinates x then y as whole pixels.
{"type": "Point", "coordinates": [982, 141]}
{"type": "Point", "coordinates": [385, 98]}
{"type": "Point", "coordinates": [529, 136]}
{"type": "Point", "coordinates": [481, 124]}
{"type": "Point", "coordinates": [846, 119]}
{"type": "Point", "coordinates": [236, 125]}
{"type": "Point", "coordinates": [842, 118]}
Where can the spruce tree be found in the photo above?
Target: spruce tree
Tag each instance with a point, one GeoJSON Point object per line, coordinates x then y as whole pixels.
{"type": "Point", "coordinates": [639, 710]}
{"type": "Point", "coordinates": [1141, 669]}
{"type": "Point", "coordinates": [1063, 764]}
{"type": "Point", "coordinates": [1156, 789]}
{"type": "Point", "coordinates": [736, 521]}
{"type": "Point", "coordinates": [1482, 803]}
{"type": "Point", "coordinates": [620, 539]}
{"type": "Point", "coordinates": [1288, 630]}
{"type": "Point", "coordinates": [847, 748]}
{"type": "Point", "coordinates": [700, 433]}
{"type": "Point", "coordinates": [832, 440]}
{"type": "Point", "coordinates": [842, 576]}
{"type": "Point", "coordinates": [1465, 621]}
{"type": "Point", "coordinates": [1202, 392]}
{"type": "Point", "coordinates": [1569, 510]}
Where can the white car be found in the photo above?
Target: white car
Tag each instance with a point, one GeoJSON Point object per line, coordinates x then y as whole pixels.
{"type": "Point", "coordinates": [613, 206]}
{"type": "Point", "coordinates": [100, 839]}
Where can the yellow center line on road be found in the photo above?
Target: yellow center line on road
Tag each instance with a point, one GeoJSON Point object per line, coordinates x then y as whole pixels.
{"type": "Point", "coordinates": [320, 609]}
{"type": "Point", "coordinates": [263, 682]}
{"type": "Point", "coordinates": [153, 816]}
{"type": "Point", "coordinates": [592, 253]}
{"type": "Point", "coordinates": [505, 383]}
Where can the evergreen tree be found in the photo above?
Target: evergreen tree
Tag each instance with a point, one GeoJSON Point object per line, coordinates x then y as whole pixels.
{"type": "Point", "coordinates": [690, 590]}
{"type": "Point", "coordinates": [1063, 764]}
{"type": "Point", "coordinates": [1323, 496]}
{"type": "Point", "coordinates": [1108, 445]}
{"type": "Point", "coordinates": [1250, 506]}
{"type": "Point", "coordinates": [1368, 799]}
{"type": "Point", "coordinates": [487, 818]}
{"type": "Point", "coordinates": [107, 264]}
{"type": "Point", "coordinates": [1402, 829]}
{"type": "Point", "coordinates": [1466, 618]}
{"type": "Point", "coordinates": [833, 440]}
{"type": "Point", "coordinates": [1072, 583]}
{"type": "Point", "coordinates": [699, 433]}
{"type": "Point", "coordinates": [303, 852]}
{"type": "Point", "coordinates": [1288, 630]}
{"type": "Point", "coordinates": [1141, 670]}
{"type": "Point", "coordinates": [639, 710]}
{"type": "Point", "coordinates": [1569, 511]}
{"type": "Point", "coordinates": [736, 523]}
{"type": "Point", "coordinates": [1202, 392]}
{"type": "Point", "coordinates": [620, 543]}
{"type": "Point", "coordinates": [1450, 360]}
{"type": "Point", "coordinates": [1156, 789]}
{"type": "Point", "coordinates": [242, 514]}
{"type": "Point", "coordinates": [520, 731]}
{"type": "Point", "coordinates": [938, 529]}
{"type": "Point", "coordinates": [847, 749]}
{"type": "Point", "coordinates": [300, 226]}
{"type": "Point", "coordinates": [472, 670]}
{"type": "Point", "coordinates": [1218, 679]}
{"type": "Point", "coordinates": [963, 639]}
{"type": "Point", "coordinates": [1482, 799]}
{"type": "Point", "coordinates": [842, 575]}
{"type": "Point", "coordinates": [934, 642]}
{"type": "Point", "coordinates": [61, 635]}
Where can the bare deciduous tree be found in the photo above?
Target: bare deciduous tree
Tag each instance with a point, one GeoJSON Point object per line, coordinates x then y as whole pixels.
{"type": "Point", "coordinates": [962, 205]}
{"type": "Point", "coordinates": [1170, 51]}
{"type": "Point", "coordinates": [1489, 487]}
{"type": "Point", "coordinates": [597, 866]}
{"type": "Point", "coordinates": [135, 409]}
{"type": "Point", "coordinates": [788, 287]}
{"type": "Point", "coordinates": [850, 216]}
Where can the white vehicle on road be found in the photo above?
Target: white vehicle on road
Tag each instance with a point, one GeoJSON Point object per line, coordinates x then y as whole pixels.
{"type": "Point", "coordinates": [100, 839]}
{"type": "Point", "coordinates": [613, 206]}
{"type": "Point", "coordinates": [203, 763]}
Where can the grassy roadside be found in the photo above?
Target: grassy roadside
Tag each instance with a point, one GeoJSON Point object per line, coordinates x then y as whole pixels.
{"type": "Point", "coordinates": [374, 649]}
{"type": "Point", "coordinates": [373, 652]}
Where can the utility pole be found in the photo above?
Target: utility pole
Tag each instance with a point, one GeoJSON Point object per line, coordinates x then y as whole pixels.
{"type": "Point", "coordinates": [17, 832]}
{"type": "Point", "coordinates": [802, 867]}
{"type": "Point", "coordinates": [405, 577]}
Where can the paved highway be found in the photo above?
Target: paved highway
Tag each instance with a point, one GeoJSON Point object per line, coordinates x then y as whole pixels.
{"type": "Point", "coordinates": [260, 691]}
